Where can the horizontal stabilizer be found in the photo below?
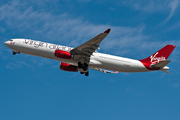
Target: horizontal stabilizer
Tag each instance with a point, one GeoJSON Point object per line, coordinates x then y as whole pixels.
{"type": "Point", "coordinates": [165, 71]}
{"type": "Point", "coordinates": [161, 64]}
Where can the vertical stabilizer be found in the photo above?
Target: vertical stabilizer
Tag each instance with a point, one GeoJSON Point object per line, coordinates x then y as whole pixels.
{"type": "Point", "coordinates": [159, 56]}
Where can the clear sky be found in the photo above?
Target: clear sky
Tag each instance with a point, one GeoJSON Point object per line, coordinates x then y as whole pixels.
{"type": "Point", "coordinates": [33, 88]}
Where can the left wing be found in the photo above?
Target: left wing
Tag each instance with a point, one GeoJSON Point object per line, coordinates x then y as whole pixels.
{"type": "Point", "coordinates": [83, 52]}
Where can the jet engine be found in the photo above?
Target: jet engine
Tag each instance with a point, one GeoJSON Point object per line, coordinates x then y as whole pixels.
{"type": "Point", "coordinates": [63, 54]}
{"type": "Point", "coordinates": [68, 67]}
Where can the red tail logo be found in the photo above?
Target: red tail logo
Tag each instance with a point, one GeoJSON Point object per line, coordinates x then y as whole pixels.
{"type": "Point", "coordinates": [159, 56]}
{"type": "Point", "coordinates": [155, 59]}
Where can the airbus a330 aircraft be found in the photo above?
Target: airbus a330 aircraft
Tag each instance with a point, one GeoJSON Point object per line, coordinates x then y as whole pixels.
{"type": "Point", "coordinates": [85, 56]}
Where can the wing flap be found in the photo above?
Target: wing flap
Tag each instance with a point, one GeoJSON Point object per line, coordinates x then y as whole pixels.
{"type": "Point", "coordinates": [88, 49]}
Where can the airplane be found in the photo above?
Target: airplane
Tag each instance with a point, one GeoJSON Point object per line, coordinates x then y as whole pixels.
{"type": "Point", "coordinates": [85, 56]}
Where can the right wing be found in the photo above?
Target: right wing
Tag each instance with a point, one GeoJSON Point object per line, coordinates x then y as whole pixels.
{"type": "Point", "coordinates": [103, 70]}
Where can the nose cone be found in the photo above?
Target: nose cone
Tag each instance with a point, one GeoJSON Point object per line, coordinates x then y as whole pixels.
{"type": "Point", "coordinates": [6, 43]}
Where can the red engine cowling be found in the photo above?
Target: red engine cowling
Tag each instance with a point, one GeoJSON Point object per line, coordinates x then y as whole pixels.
{"type": "Point", "coordinates": [63, 54]}
{"type": "Point", "coordinates": [68, 67]}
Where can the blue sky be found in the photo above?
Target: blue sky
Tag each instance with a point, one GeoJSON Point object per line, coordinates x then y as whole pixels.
{"type": "Point", "coordinates": [33, 88]}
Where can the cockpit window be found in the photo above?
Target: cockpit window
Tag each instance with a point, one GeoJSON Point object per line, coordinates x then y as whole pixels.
{"type": "Point", "coordinates": [11, 40]}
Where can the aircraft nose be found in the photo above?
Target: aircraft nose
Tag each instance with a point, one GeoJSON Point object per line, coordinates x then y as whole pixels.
{"type": "Point", "coordinates": [6, 43]}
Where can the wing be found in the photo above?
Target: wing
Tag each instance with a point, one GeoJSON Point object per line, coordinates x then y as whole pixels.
{"type": "Point", "coordinates": [84, 51]}
{"type": "Point", "coordinates": [103, 70]}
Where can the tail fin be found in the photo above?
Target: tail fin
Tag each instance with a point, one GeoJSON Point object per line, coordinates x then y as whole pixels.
{"type": "Point", "coordinates": [160, 55]}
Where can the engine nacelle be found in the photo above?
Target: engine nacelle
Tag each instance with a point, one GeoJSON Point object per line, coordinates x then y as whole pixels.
{"type": "Point", "coordinates": [68, 67]}
{"type": "Point", "coordinates": [63, 54]}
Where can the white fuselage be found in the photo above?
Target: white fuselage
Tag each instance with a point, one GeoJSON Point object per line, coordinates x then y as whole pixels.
{"type": "Point", "coordinates": [98, 60]}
